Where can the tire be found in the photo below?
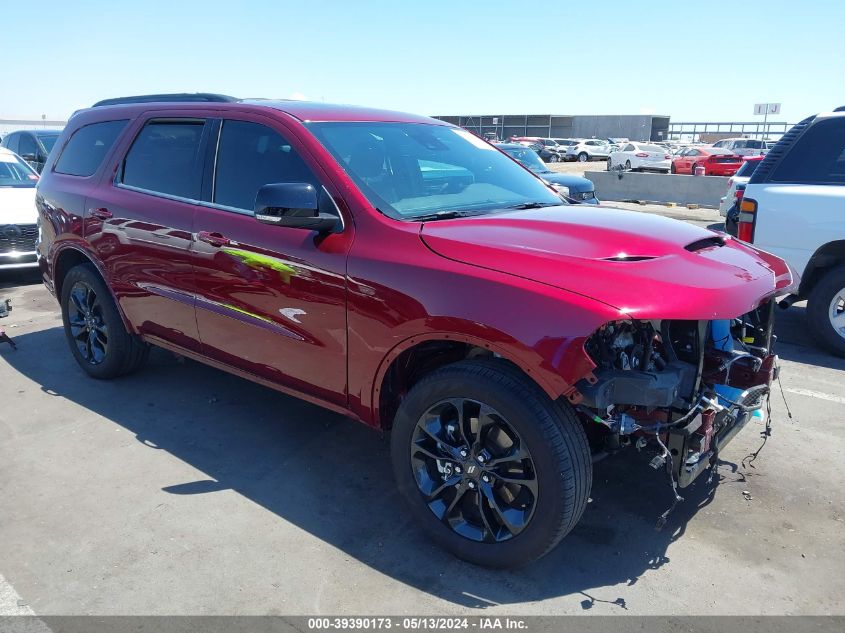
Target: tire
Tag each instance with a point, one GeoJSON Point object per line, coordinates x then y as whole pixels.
{"type": "Point", "coordinates": [94, 329]}
{"type": "Point", "coordinates": [693, 168]}
{"type": "Point", "coordinates": [609, 165]}
{"type": "Point", "coordinates": [731, 224]}
{"type": "Point", "coordinates": [672, 169]}
{"type": "Point", "coordinates": [558, 458]}
{"type": "Point", "coordinates": [628, 165]}
{"type": "Point", "coordinates": [827, 299]}
{"type": "Point", "coordinates": [583, 158]}
{"type": "Point", "coordinates": [554, 158]}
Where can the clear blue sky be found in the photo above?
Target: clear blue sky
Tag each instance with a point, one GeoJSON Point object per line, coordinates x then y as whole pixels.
{"type": "Point", "coordinates": [700, 60]}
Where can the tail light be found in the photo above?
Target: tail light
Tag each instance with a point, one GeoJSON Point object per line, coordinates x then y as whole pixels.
{"type": "Point", "coordinates": [641, 155]}
{"type": "Point", "coordinates": [740, 191]}
{"type": "Point", "coordinates": [747, 217]}
{"type": "Point", "coordinates": [668, 156]}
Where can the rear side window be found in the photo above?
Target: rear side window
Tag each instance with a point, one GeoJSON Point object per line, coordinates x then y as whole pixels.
{"type": "Point", "coordinates": [249, 156]}
{"type": "Point", "coordinates": [87, 147]}
{"type": "Point", "coordinates": [165, 158]}
{"type": "Point", "coordinates": [818, 157]}
{"type": "Point", "coordinates": [747, 168]}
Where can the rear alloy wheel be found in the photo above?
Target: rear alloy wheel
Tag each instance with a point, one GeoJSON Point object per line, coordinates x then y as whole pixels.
{"type": "Point", "coordinates": [94, 329]}
{"type": "Point", "coordinates": [494, 471]}
{"type": "Point", "coordinates": [627, 165]}
{"type": "Point", "coordinates": [583, 158]}
{"type": "Point", "coordinates": [826, 310]}
{"type": "Point", "coordinates": [694, 167]}
{"type": "Point", "coordinates": [554, 158]}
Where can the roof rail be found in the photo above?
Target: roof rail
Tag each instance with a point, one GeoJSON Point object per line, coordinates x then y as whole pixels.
{"type": "Point", "coordinates": [182, 97]}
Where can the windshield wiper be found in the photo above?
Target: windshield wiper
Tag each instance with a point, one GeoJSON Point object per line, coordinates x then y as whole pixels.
{"type": "Point", "coordinates": [532, 205]}
{"type": "Point", "coordinates": [440, 215]}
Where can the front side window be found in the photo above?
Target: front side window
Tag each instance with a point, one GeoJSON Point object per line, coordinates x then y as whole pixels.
{"type": "Point", "coordinates": [394, 166]}
{"type": "Point", "coordinates": [249, 156]}
{"type": "Point", "coordinates": [818, 157]}
{"type": "Point", "coordinates": [87, 148]}
{"type": "Point", "coordinates": [165, 158]}
{"type": "Point", "coordinates": [15, 173]}
{"type": "Point", "coordinates": [27, 147]}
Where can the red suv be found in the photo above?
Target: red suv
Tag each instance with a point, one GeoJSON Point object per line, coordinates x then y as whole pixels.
{"type": "Point", "coordinates": [404, 272]}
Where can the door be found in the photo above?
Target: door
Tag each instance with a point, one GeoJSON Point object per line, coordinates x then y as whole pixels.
{"type": "Point", "coordinates": [141, 225]}
{"type": "Point", "coordinates": [685, 164]}
{"type": "Point", "coordinates": [271, 300]}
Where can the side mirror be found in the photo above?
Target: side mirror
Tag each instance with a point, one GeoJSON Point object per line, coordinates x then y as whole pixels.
{"type": "Point", "coordinates": [294, 205]}
{"type": "Point", "coordinates": [30, 158]}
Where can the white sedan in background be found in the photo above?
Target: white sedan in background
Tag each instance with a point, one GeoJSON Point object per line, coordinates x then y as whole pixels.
{"type": "Point", "coordinates": [640, 157]}
{"type": "Point", "coordinates": [18, 217]}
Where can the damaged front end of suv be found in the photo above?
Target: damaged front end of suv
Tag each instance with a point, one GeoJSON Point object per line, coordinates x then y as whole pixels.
{"type": "Point", "coordinates": [681, 389]}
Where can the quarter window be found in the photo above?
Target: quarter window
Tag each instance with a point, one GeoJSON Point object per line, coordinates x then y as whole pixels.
{"type": "Point", "coordinates": [87, 148]}
{"type": "Point", "coordinates": [251, 155]}
{"type": "Point", "coordinates": [165, 158]}
{"type": "Point", "coordinates": [817, 157]}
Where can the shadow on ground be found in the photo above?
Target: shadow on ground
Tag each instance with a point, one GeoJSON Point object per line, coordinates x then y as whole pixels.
{"type": "Point", "coordinates": [331, 476]}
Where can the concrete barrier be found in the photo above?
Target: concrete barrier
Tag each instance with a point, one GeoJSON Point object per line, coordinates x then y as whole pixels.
{"type": "Point", "coordinates": [702, 190]}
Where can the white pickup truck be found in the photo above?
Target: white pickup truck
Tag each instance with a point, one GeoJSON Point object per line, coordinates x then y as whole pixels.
{"type": "Point", "coordinates": [794, 207]}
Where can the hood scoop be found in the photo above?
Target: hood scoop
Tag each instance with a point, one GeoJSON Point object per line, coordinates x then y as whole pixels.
{"type": "Point", "coordinates": [622, 257]}
{"type": "Point", "coordinates": [708, 242]}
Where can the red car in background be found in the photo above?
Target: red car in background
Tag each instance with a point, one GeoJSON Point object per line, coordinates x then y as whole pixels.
{"type": "Point", "coordinates": [716, 161]}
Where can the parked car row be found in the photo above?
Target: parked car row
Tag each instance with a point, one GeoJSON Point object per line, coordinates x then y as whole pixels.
{"type": "Point", "coordinates": [553, 150]}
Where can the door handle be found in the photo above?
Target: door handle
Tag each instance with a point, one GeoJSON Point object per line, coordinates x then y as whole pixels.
{"type": "Point", "coordinates": [215, 239]}
{"type": "Point", "coordinates": [101, 213]}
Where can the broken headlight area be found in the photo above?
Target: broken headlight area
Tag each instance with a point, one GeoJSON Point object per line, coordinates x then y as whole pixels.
{"type": "Point", "coordinates": [679, 390]}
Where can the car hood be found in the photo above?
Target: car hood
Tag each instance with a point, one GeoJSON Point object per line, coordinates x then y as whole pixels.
{"type": "Point", "coordinates": [574, 183]}
{"type": "Point", "coordinates": [646, 266]}
{"type": "Point", "coordinates": [17, 205]}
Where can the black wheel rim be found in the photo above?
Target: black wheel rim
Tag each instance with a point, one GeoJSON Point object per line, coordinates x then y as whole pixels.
{"type": "Point", "coordinates": [473, 470]}
{"type": "Point", "coordinates": [87, 325]}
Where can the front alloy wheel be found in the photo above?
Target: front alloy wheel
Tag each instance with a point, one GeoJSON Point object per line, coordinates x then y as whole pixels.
{"type": "Point", "coordinates": [87, 325]}
{"type": "Point", "coordinates": [473, 470]}
{"type": "Point", "coordinates": [492, 469]}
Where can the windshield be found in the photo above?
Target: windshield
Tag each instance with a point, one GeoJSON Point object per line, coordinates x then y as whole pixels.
{"type": "Point", "coordinates": [48, 140]}
{"type": "Point", "coordinates": [408, 170]}
{"type": "Point", "coordinates": [16, 173]}
{"type": "Point", "coordinates": [527, 157]}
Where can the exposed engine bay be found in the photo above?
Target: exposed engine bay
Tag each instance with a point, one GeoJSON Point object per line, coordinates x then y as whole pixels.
{"type": "Point", "coordinates": [680, 390]}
